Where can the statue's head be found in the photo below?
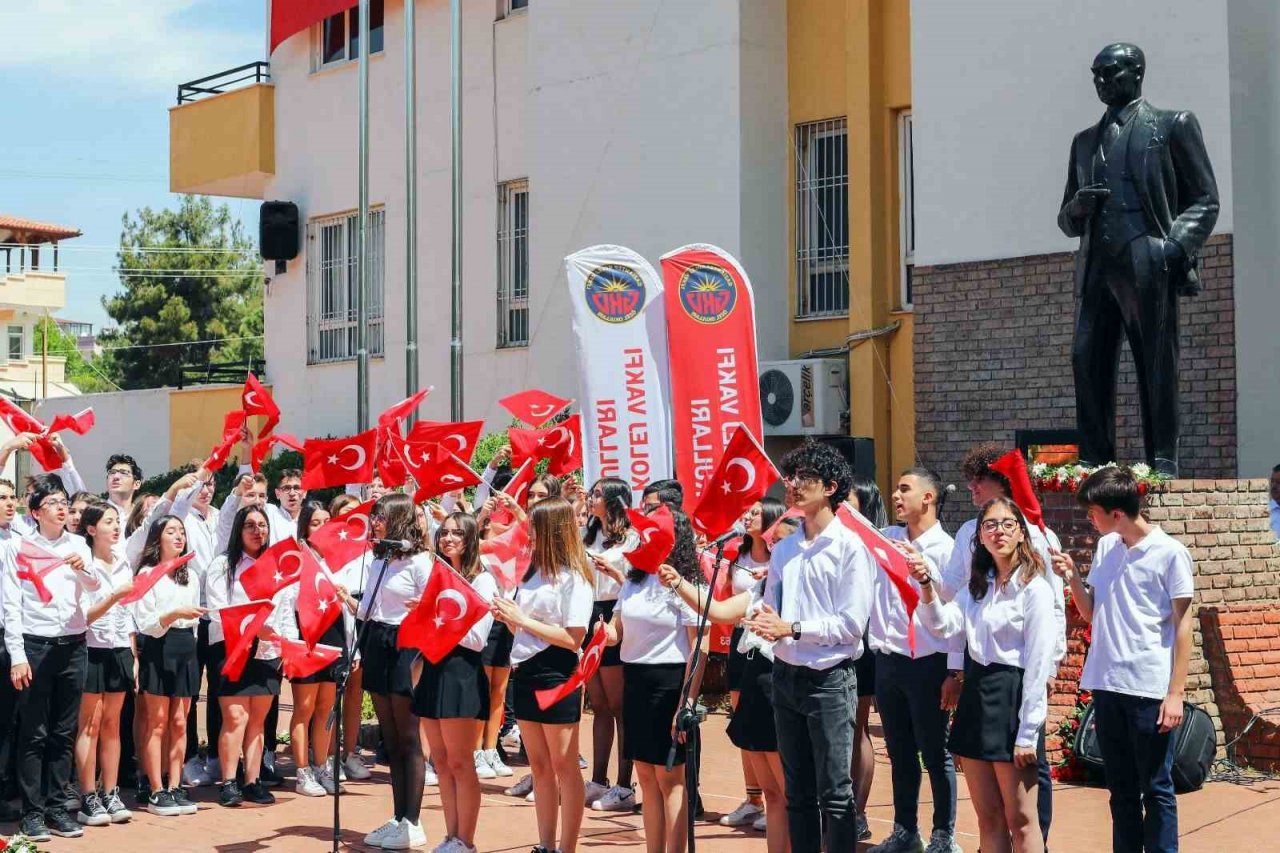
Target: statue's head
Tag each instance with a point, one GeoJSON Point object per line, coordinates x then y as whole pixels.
{"type": "Point", "coordinates": [1117, 73]}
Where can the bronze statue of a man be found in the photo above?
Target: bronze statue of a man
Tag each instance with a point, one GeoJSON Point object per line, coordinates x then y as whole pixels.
{"type": "Point", "coordinates": [1142, 198]}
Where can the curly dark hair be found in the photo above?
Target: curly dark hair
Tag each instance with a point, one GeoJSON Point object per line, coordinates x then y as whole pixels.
{"type": "Point", "coordinates": [824, 461]}
{"type": "Point", "coordinates": [976, 464]}
{"type": "Point", "coordinates": [684, 552]}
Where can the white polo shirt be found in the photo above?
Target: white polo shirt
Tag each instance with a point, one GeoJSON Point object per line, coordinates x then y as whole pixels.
{"type": "Point", "coordinates": [655, 623]}
{"type": "Point", "coordinates": [1133, 630]}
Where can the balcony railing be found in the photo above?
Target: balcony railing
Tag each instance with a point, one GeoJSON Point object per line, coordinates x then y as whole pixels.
{"type": "Point", "coordinates": [224, 81]}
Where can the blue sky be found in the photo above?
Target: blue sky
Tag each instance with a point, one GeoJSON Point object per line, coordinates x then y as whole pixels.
{"type": "Point", "coordinates": [87, 87]}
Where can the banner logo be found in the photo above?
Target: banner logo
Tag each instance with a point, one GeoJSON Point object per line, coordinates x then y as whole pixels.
{"type": "Point", "coordinates": [707, 293]}
{"type": "Point", "coordinates": [615, 293]}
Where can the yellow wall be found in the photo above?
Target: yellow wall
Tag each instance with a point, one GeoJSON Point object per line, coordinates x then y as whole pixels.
{"type": "Point", "coordinates": [852, 59]}
{"type": "Point", "coordinates": [224, 144]}
{"type": "Point", "coordinates": [195, 420]}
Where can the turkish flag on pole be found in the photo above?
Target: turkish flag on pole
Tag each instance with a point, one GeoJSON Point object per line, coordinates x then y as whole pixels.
{"type": "Point", "coordinates": [149, 577]}
{"type": "Point", "coordinates": [299, 660]}
{"type": "Point", "coordinates": [741, 478]}
{"type": "Point", "coordinates": [338, 461]}
{"type": "Point", "coordinates": [518, 490]}
{"type": "Point", "coordinates": [275, 568]}
{"type": "Point", "coordinates": [79, 423]}
{"type": "Point", "coordinates": [534, 407]}
{"type": "Point", "coordinates": [1014, 467]}
{"type": "Point", "coordinates": [262, 448]}
{"type": "Point", "coordinates": [891, 561]}
{"type": "Point", "coordinates": [42, 450]}
{"type": "Point", "coordinates": [414, 459]}
{"type": "Point", "coordinates": [16, 419]}
{"type": "Point", "coordinates": [240, 625]}
{"type": "Point", "coordinates": [460, 438]}
{"type": "Point", "coordinates": [508, 555]}
{"type": "Point", "coordinates": [657, 532]}
{"type": "Point", "coordinates": [403, 410]}
{"type": "Point", "coordinates": [587, 666]}
{"type": "Point", "coordinates": [221, 454]}
{"type": "Point", "coordinates": [563, 446]}
{"type": "Point", "coordinates": [318, 605]}
{"type": "Point", "coordinates": [257, 400]}
{"type": "Point", "coordinates": [445, 474]}
{"type": "Point", "coordinates": [293, 16]}
{"type": "Point", "coordinates": [448, 609]}
{"type": "Point", "coordinates": [344, 538]}
{"type": "Point", "coordinates": [233, 421]}
{"type": "Point", "coordinates": [34, 563]}
{"type": "Point", "coordinates": [525, 444]}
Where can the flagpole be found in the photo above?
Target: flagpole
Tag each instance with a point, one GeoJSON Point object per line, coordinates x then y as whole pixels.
{"type": "Point", "coordinates": [411, 202]}
{"type": "Point", "coordinates": [455, 115]}
{"type": "Point", "coordinates": [362, 233]}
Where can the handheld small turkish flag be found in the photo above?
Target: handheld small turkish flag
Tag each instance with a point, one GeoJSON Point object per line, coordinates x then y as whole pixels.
{"type": "Point", "coordinates": [460, 438]}
{"type": "Point", "coordinates": [508, 555]}
{"type": "Point", "coordinates": [742, 477]}
{"type": "Point", "coordinates": [255, 399]}
{"type": "Point", "coordinates": [344, 538]}
{"type": "Point", "coordinates": [275, 568]}
{"type": "Point", "coordinates": [1014, 467]}
{"type": "Point", "coordinates": [403, 410]}
{"type": "Point", "coordinates": [79, 423]}
{"type": "Point", "coordinates": [339, 461]}
{"type": "Point", "coordinates": [42, 450]}
{"type": "Point", "coordinates": [233, 422]}
{"type": "Point", "coordinates": [298, 660]}
{"type": "Point", "coordinates": [240, 626]}
{"type": "Point", "coordinates": [890, 560]}
{"type": "Point", "coordinates": [445, 474]}
{"type": "Point", "coordinates": [525, 444]}
{"type": "Point", "coordinates": [415, 459]}
{"type": "Point", "coordinates": [318, 605]}
{"type": "Point", "coordinates": [221, 454]}
{"type": "Point", "coordinates": [34, 563]}
{"type": "Point", "coordinates": [150, 576]}
{"type": "Point", "coordinates": [448, 609]}
{"type": "Point", "coordinates": [518, 490]}
{"type": "Point", "coordinates": [534, 407]}
{"type": "Point", "coordinates": [563, 446]}
{"type": "Point", "coordinates": [587, 666]}
{"type": "Point", "coordinates": [262, 448]}
{"type": "Point", "coordinates": [657, 532]}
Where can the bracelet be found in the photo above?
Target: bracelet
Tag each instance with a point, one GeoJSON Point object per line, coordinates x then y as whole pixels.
{"type": "Point", "coordinates": [927, 580]}
{"type": "Point", "coordinates": [675, 586]}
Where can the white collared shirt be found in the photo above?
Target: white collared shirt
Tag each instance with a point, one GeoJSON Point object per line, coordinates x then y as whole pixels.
{"type": "Point", "coordinates": [165, 597]}
{"type": "Point", "coordinates": [283, 526]}
{"type": "Point", "coordinates": [219, 594]}
{"type": "Point", "coordinates": [9, 541]}
{"type": "Point", "coordinates": [202, 533]}
{"type": "Point", "coordinates": [606, 588]}
{"type": "Point", "coordinates": [404, 579]}
{"type": "Point", "coordinates": [655, 623]}
{"type": "Point", "coordinates": [1275, 519]}
{"type": "Point", "coordinates": [114, 628]}
{"type": "Point", "coordinates": [887, 628]}
{"type": "Point", "coordinates": [280, 525]}
{"type": "Point", "coordinates": [25, 613]}
{"type": "Point", "coordinates": [477, 637]}
{"type": "Point", "coordinates": [1011, 625]}
{"type": "Point", "coordinates": [564, 602]}
{"type": "Point", "coordinates": [744, 572]}
{"type": "Point", "coordinates": [825, 584]}
{"type": "Point", "coordinates": [1133, 627]}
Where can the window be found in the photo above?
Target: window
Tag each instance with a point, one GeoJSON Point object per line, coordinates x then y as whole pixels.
{"type": "Point", "coordinates": [822, 219]}
{"type": "Point", "coordinates": [340, 34]}
{"type": "Point", "coordinates": [513, 264]}
{"type": "Point", "coordinates": [514, 6]}
{"type": "Point", "coordinates": [17, 343]}
{"type": "Point", "coordinates": [331, 286]}
{"type": "Point", "coordinates": [906, 207]}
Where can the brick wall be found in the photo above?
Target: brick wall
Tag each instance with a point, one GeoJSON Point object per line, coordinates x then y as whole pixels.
{"type": "Point", "coordinates": [993, 354]}
{"type": "Point", "coordinates": [1235, 666]}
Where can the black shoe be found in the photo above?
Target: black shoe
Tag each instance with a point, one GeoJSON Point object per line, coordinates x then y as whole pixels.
{"type": "Point", "coordinates": [70, 797]}
{"type": "Point", "coordinates": [269, 777]}
{"type": "Point", "coordinates": [9, 813]}
{"type": "Point", "coordinates": [142, 792]}
{"type": "Point", "coordinates": [34, 827]}
{"type": "Point", "coordinates": [61, 824]}
{"type": "Point", "coordinates": [698, 810]}
{"type": "Point", "coordinates": [256, 792]}
{"type": "Point", "coordinates": [182, 801]}
{"type": "Point", "coordinates": [92, 811]}
{"type": "Point", "coordinates": [861, 827]}
{"type": "Point", "coordinates": [230, 796]}
{"type": "Point", "coordinates": [161, 803]}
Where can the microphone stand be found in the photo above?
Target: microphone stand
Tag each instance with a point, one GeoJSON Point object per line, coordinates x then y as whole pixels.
{"type": "Point", "coordinates": [335, 714]}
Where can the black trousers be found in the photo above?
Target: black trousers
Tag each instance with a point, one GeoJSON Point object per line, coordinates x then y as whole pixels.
{"type": "Point", "coordinates": [908, 692]}
{"type": "Point", "coordinates": [212, 711]}
{"type": "Point", "coordinates": [47, 714]}
{"type": "Point", "coordinates": [1127, 295]}
{"type": "Point", "coordinates": [8, 725]}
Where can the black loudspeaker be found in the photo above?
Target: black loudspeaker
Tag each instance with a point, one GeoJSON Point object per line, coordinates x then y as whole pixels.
{"type": "Point", "coordinates": [860, 453]}
{"type": "Point", "coordinates": [1194, 745]}
{"type": "Point", "coordinates": [278, 230]}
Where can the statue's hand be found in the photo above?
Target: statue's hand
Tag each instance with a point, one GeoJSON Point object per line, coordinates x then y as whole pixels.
{"type": "Point", "coordinates": [1173, 254]}
{"type": "Point", "coordinates": [1085, 201]}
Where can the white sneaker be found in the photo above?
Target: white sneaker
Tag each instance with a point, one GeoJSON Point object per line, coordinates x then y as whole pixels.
{"type": "Point", "coordinates": [901, 840]}
{"type": "Point", "coordinates": [616, 799]}
{"type": "Point", "coordinates": [429, 777]}
{"type": "Point", "coordinates": [306, 783]}
{"type": "Point", "coordinates": [511, 740]}
{"type": "Point", "coordinates": [743, 815]}
{"type": "Point", "coordinates": [445, 846]}
{"type": "Point", "coordinates": [760, 824]}
{"type": "Point", "coordinates": [194, 773]}
{"type": "Point", "coordinates": [407, 836]}
{"type": "Point", "coordinates": [379, 835]}
{"type": "Point", "coordinates": [500, 768]}
{"type": "Point", "coordinates": [354, 768]}
{"type": "Point", "coordinates": [324, 775]}
{"type": "Point", "coordinates": [522, 788]}
{"type": "Point", "coordinates": [483, 770]}
{"type": "Point", "coordinates": [595, 791]}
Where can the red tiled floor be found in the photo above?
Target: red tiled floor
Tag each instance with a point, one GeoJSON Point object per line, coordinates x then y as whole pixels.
{"type": "Point", "coordinates": [1219, 817]}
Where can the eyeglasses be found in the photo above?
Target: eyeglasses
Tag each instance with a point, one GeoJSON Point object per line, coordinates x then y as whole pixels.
{"type": "Point", "coordinates": [121, 472]}
{"type": "Point", "coordinates": [55, 503]}
{"type": "Point", "coordinates": [1008, 525]}
{"type": "Point", "coordinates": [256, 525]}
{"type": "Point", "coordinates": [294, 488]}
{"type": "Point", "coordinates": [455, 534]}
{"type": "Point", "coordinates": [802, 478]}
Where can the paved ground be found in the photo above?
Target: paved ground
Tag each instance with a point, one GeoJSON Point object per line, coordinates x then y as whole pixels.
{"type": "Point", "coordinates": [1220, 817]}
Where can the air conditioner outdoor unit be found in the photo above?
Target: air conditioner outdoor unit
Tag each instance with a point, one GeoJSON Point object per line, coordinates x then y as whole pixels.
{"type": "Point", "coordinates": [803, 397]}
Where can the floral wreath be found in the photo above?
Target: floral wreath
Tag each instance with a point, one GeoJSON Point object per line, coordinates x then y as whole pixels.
{"type": "Point", "coordinates": [1067, 478]}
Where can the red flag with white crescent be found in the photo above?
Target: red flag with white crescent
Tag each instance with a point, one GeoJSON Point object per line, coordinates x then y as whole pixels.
{"type": "Point", "coordinates": [508, 555]}
{"type": "Point", "coordinates": [445, 473]}
{"type": "Point", "coordinates": [150, 576]}
{"type": "Point", "coordinates": [460, 437]}
{"type": "Point", "coordinates": [338, 461]}
{"type": "Point", "coordinates": [318, 605]}
{"type": "Point", "coordinates": [742, 477]}
{"type": "Point", "coordinates": [344, 538]}
{"type": "Point", "coordinates": [403, 410]}
{"type": "Point", "coordinates": [299, 660]}
{"type": "Point", "coordinates": [446, 612]}
{"type": "Point", "coordinates": [587, 666]}
{"type": "Point", "coordinates": [275, 568]}
{"type": "Point", "coordinates": [34, 563]}
{"type": "Point", "coordinates": [657, 532]}
{"type": "Point", "coordinates": [255, 399]}
{"type": "Point", "coordinates": [534, 407]}
{"type": "Point", "coordinates": [240, 626]}
{"type": "Point", "coordinates": [890, 560]}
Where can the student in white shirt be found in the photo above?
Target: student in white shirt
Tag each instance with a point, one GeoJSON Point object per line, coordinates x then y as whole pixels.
{"type": "Point", "coordinates": [46, 644]}
{"type": "Point", "coordinates": [1002, 630]}
{"type": "Point", "coordinates": [352, 577]}
{"type": "Point", "coordinates": [865, 498]}
{"type": "Point", "coordinates": [816, 606]}
{"type": "Point", "coordinates": [124, 478]}
{"type": "Point", "coordinates": [112, 671]}
{"type": "Point", "coordinates": [395, 582]}
{"type": "Point", "coordinates": [550, 617]}
{"type": "Point", "coordinates": [1137, 596]}
{"type": "Point", "coordinates": [452, 696]}
{"type": "Point", "coordinates": [79, 501]}
{"type": "Point", "coordinates": [169, 675]}
{"type": "Point", "coordinates": [8, 695]}
{"type": "Point", "coordinates": [608, 536]}
{"type": "Point", "coordinates": [655, 631]}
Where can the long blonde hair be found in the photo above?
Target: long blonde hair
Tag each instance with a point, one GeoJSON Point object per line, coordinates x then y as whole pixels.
{"type": "Point", "coordinates": [555, 540]}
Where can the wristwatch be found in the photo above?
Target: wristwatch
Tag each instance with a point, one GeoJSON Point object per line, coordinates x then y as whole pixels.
{"type": "Point", "coordinates": [795, 630]}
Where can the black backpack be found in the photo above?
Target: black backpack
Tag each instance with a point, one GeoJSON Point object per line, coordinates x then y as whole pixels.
{"type": "Point", "coordinates": [1194, 745]}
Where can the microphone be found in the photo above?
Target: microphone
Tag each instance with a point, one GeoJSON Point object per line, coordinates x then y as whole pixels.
{"type": "Point", "coordinates": [397, 544]}
{"type": "Point", "coordinates": [734, 532]}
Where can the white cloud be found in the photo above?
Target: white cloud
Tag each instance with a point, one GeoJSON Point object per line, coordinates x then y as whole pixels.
{"type": "Point", "coordinates": [149, 44]}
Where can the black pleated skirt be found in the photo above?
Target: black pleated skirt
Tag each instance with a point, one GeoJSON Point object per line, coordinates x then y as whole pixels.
{"type": "Point", "coordinates": [168, 665]}
{"type": "Point", "coordinates": [752, 727]}
{"type": "Point", "coordinates": [497, 651]}
{"type": "Point", "coordinates": [549, 668]}
{"type": "Point", "coordinates": [604, 610]}
{"type": "Point", "coordinates": [737, 661]}
{"type": "Point", "coordinates": [986, 721]}
{"type": "Point", "coordinates": [109, 671]}
{"type": "Point", "coordinates": [650, 696]}
{"type": "Point", "coordinates": [454, 689]}
{"type": "Point", "coordinates": [259, 678]}
{"type": "Point", "coordinates": [388, 670]}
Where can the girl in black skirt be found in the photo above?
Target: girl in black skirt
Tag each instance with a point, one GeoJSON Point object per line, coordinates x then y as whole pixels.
{"type": "Point", "coordinates": [244, 702]}
{"type": "Point", "coordinates": [549, 618]}
{"type": "Point", "coordinates": [111, 674]}
{"type": "Point", "coordinates": [452, 696]}
{"type": "Point", "coordinates": [351, 577]}
{"type": "Point", "coordinates": [1003, 623]}
{"type": "Point", "coordinates": [169, 675]}
{"type": "Point", "coordinates": [607, 537]}
{"type": "Point", "coordinates": [395, 583]}
{"type": "Point", "coordinates": [656, 631]}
